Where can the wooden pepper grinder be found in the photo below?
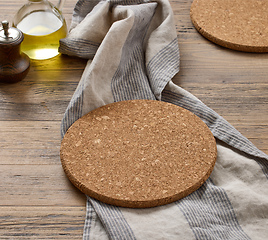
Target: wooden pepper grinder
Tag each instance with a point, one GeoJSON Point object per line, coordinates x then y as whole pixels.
{"type": "Point", "coordinates": [14, 65]}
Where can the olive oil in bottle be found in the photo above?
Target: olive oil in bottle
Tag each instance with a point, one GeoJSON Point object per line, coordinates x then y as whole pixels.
{"type": "Point", "coordinates": [42, 31]}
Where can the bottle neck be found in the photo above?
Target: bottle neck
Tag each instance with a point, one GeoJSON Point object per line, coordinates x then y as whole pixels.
{"type": "Point", "coordinates": [59, 5]}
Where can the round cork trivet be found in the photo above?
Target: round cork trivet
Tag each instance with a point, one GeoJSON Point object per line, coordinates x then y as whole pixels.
{"type": "Point", "coordinates": [239, 25]}
{"type": "Point", "coordinates": [138, 153]}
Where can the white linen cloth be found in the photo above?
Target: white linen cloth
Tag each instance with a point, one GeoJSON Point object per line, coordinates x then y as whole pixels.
{"type": "Point", "coordinates": [133, 53]}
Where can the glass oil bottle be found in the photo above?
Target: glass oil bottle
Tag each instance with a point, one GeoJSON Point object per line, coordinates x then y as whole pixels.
{"type": "Point", "coordinates": [43, 26]}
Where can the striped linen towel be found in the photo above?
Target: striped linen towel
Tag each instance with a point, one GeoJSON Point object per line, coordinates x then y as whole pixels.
{"type": "Point", "coordinates": [133, 54]}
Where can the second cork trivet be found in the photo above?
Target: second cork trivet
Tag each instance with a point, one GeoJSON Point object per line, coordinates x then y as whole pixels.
{"type": "Point", "coordinates": [139, 153]}
{"type": "Point", "coordinates": [240, 25]}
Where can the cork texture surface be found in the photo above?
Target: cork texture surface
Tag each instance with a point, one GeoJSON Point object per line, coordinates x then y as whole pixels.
{"type": "Point", "coordinates": [138, 153]}
{"type": "Point", "coordinates": [239, 25]}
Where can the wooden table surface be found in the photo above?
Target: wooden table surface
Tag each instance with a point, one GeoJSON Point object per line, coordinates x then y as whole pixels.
{"type": "Point", "coordinates": [37, 201]}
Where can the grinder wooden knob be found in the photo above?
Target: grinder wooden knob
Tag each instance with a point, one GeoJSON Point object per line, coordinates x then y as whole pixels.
{"type": "Point", "coordinates": [14, 65]}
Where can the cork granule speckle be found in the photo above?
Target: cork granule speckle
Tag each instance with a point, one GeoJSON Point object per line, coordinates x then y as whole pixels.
{"type": "Point", "coordinates": [139, 153]}
{"type": "Point", "coordinates": [236, 24]}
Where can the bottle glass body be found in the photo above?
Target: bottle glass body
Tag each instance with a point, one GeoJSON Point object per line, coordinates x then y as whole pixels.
{"type": "Point", "coordinates": [43, 26]}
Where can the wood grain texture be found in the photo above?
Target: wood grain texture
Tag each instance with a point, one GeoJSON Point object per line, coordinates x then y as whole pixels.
{"type": "Point", "coordinates": [41, 222]}
{"type": "Point", "coordinates": [37, 200]}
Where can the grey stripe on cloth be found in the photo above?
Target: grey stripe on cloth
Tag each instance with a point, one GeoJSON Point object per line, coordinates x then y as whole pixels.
{"type": "Point", "coordinates": [74, 109]}
{"type": "Point", "coordinates": [113, 221]}
{"type": "Point", "coordinates": [82, 8]}
{"type": "Point", "coordinates": [130, 81]}
{"type": "Point", "coordinates": [163, 67]}
{"type": "Point", "coordinates": [88, 222]}
{"type": "Point", "coordinates": [78, 47]}
{"type": "Point", "coordinates": [210, 214]}
{"type": "Point", "coordinates": [133, 81]}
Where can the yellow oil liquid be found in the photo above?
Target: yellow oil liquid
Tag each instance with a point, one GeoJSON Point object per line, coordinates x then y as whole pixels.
{"type": "Point", "coordinates": [42, 32]}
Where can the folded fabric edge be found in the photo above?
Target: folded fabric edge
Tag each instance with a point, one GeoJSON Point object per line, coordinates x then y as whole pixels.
{"type": "Point", "coordinates": [78, 48]}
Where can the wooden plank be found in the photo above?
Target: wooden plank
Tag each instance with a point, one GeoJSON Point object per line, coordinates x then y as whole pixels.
{"type": "Point", "coordinates": [206, 55]}
{"type": "Point", "coordinates": [39, 97]}
{"type": "Point", "coordinates": [41, 222]}
{"type": "Point", "coordinates": [37, 185]}
{"type": "Point", "coordinates": [30, 142]}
